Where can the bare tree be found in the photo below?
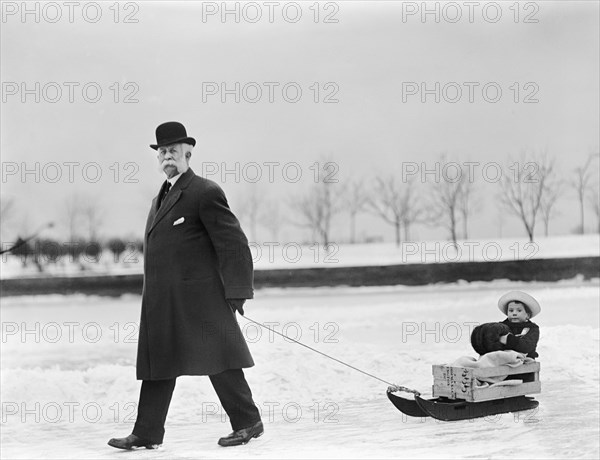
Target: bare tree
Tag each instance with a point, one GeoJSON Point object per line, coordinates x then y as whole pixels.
{"type": "Point", "coordinates": [7, 209]}
{"type": "Point", "coordinates": [394, 202]}
{"type": "Point", "coordinates": [24, 248]}
{"type": "Point", "coordinates": [447, 197]}
{"type": "Point", "coordinates": [316, 209]}
{"type": "Point", "coordinates": [92, 217]}
{"type": "Point", "coordinates": [594, 200]}
{"type": "Point", "coordinates": [549, 198]}
{"type": "Point", "coordinates": [452, 198]}
{"type": "Point", "coordinates": [355, 201]}
{"type": "Point", "coordinates": [467, 203]}
{"type": "Point", "coordinates": [249, 210]}
{"type": "Point", "coordinates": [73, 212]}
{"type": "Point", "coordinates": [270, 218]}
{"type": "Point", "coordinates": [413, 212]}
{"type": "Point", "coordinates": [522, 188]}
{"type": "Point", "coordinates": [499, 221]}
{"type": "Point", "coordinates": [581, 183]}
{"type": "Point", "coordinates": [117, 246]}
{"type": "Point", "coordinates": [385, 202]}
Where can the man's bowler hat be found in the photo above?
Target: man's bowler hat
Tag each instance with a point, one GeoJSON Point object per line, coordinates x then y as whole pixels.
{"type": "Point", "coordinates": [172, 132]}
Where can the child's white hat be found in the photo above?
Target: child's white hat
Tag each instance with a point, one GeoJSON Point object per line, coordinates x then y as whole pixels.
{"type": "Point", "coordinates": [519, 296]}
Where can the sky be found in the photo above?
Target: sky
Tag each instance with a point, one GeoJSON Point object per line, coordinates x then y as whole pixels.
{"type": "Point", "coordinates": [350, 82]}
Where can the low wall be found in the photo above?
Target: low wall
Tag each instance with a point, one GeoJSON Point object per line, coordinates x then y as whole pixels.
{"type": "Point", "coordinates": [405, 274]}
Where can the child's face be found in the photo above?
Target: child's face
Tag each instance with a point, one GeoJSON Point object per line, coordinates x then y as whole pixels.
{"type": "Point", "coordinates": [516, 313]}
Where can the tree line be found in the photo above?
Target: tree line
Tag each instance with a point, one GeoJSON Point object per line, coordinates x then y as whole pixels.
{"type": "Point", "coordinates": [448, 199]}
{"type": "Point", "coordinates": [528, 189]}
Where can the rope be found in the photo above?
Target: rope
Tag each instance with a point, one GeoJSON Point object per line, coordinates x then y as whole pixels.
{"type": "Point", "coordinates": [391, 388]}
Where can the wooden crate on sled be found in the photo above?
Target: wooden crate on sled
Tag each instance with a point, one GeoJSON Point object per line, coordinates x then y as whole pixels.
{"type": "Point", "coordinates": [461, 382]}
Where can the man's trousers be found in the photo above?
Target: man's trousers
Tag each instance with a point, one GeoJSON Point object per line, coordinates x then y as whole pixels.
{"type": "Point", "coordinates": [155, 396]}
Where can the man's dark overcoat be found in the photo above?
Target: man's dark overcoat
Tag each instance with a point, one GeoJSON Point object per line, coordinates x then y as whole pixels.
{"type": "Point", "coordinates": [195, 256]}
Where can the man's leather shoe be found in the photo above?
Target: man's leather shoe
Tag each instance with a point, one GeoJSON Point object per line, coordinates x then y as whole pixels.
{"type": "Point", "coordinates": [131, 442]}
{"type": "Point", "coordinates": [242, 436]}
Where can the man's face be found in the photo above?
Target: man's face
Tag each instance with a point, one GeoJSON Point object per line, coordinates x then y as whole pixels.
{"type": "Point", "coordinates": [172, 160]}
{"type": "Point", "coordinates": [516, 312]}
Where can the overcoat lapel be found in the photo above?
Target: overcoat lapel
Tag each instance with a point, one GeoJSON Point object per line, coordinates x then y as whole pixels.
{"type": "Point", "coordinates": [171, 198]}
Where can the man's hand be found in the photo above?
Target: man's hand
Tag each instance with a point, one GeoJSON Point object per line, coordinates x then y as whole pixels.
{"type": "Point", "coordinates": [237, 304]}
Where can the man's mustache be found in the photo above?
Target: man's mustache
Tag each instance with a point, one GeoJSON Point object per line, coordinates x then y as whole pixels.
{"type": "Point", "coordinates": [165, 163]}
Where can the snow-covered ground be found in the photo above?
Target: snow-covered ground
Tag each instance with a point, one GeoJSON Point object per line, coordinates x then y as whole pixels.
{"type": "Point", "coordinates": [68, 376]}
{"type": "Point", "coordinates": [290, 254]}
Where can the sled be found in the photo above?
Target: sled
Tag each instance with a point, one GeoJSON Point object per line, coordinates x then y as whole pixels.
{"type": "Point", "coordinates": [458, 394]}
{"type": "Point", "coordinates": [450, 410]}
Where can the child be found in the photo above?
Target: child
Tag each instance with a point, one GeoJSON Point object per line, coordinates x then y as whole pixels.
{"type": "Point", "coordinates": [523, 337]}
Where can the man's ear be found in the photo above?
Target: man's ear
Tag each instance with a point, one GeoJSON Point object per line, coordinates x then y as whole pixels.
{"type": "Point", "coordinates": [188, 154]}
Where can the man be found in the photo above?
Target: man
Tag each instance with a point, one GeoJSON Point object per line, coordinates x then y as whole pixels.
{"type": "Point", "coordinates": [197, 273]}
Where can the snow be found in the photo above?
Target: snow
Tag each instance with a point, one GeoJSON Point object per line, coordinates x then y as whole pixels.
{"type": "Point", "coordinates": [271, 255]}
{"type": "Point", "coordinates": [78, 352]}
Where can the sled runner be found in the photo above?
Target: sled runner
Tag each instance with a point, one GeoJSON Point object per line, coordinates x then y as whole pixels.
{"type": "Point", "coordinates": [451, 410]}
{"type": "Point", "coordinates": [459, 394]}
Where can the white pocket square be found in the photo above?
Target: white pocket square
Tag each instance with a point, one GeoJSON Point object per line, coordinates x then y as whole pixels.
{"type": "Point", "coordinates": [179, 221]}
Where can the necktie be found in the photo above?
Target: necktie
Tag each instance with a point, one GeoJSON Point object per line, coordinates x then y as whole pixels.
{"type": "Point", "coordinates": [167, 188]}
